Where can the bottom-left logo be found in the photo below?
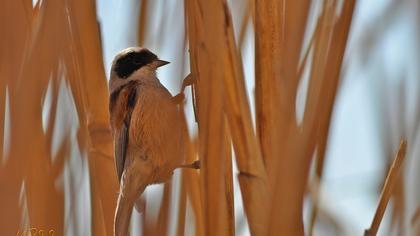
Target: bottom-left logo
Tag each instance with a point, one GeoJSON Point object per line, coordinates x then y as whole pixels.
{"type": "Point", "coordinates": [35, 232]}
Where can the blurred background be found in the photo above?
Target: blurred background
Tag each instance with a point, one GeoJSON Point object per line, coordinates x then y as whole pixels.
{"type": "Point", "coordinates": [57, 159]}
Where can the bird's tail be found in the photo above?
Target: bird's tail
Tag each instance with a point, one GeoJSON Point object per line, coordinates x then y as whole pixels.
{"type": "Point", "coordinates": [123, 213]}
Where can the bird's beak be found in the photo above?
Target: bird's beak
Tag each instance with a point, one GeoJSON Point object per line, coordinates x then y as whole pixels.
{"type": "Point", "coordinates": [161, 63]}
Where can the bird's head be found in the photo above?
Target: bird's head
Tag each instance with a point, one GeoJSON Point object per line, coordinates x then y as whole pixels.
{"type": "Point", "coordinates": [134, 63]}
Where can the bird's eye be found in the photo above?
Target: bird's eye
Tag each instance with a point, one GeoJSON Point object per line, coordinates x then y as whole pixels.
{"type": "Point", "coordinates": [137, 60]}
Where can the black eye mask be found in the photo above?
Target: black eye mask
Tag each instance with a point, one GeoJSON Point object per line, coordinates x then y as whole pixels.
{"type": "Point", "coordinates": [132, 61]}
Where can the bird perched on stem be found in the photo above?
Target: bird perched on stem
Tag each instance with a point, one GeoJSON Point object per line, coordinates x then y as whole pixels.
{"type": "Point", "coordinates": [146, 127]}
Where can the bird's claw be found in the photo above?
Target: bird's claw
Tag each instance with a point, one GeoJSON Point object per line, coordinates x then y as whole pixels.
{"type": "Point", "coordinates": [189, 80]}
{"type": "Point", "coordinates": [195, 165]}
{"type": "Point", "coordinates": [179, 98]}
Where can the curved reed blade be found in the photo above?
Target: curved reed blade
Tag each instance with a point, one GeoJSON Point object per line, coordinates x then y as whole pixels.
{"type": "Point", "coordinates": [387, 189]}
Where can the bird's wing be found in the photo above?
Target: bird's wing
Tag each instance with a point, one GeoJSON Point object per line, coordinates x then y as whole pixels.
{"type": "Point", "coordinates": [122, 103]}
{"type": "Point", "coordinates": [120, 146]}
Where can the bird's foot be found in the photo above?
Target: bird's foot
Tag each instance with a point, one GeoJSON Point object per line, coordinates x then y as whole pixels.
{"type": "Point", "coordinates": [189, 80]}
{"type": "Point", "coordinates": [195, 165]}
{"type": "Point", "coordinates": [179, 98]}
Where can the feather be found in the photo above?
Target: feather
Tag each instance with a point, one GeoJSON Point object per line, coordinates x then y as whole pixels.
{"type": "Point", "coordinates": [122, 102]}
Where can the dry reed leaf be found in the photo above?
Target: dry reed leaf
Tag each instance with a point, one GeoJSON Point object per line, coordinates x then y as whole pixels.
{"type": "Point", "coordinates": [252, 176]}
{"type": "Point", "coordinates": [287, 205]}
{"type": "Point", "coordinates": [399, 206]}
{"type": "Point", "coordinates": [210, 115]}
{"type": "Point", "coordinates": [101, 164]}
{"type": "Point", "coordinates": [277, 51]}
{"type": "Point", "coordinates": [266, 64]}
{"type": "Point", "coordinates": [387, 189]}
{"type": "Point", "coordinates": [219, 34]}
{"type": "Point", "coordinates": [44, 200]}
{"type": "Point", "coordinates": [193, 21]}
{"type": "Point", "coordinates": [329, 87]}
{"type": "Point", "coordinates": [228, 176]}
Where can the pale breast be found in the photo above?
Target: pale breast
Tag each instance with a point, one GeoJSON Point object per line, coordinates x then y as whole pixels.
{"type": "Point", "coordinates": [155, 127]}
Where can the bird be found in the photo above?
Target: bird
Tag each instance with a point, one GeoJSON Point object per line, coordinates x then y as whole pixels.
{"type": "Point", "coordinates": [146, 127]}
